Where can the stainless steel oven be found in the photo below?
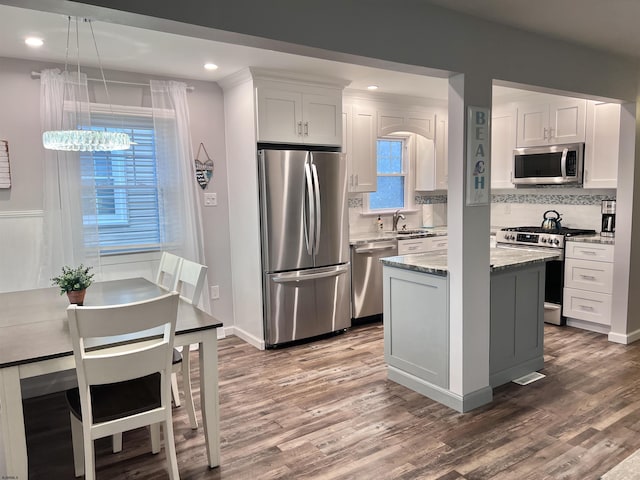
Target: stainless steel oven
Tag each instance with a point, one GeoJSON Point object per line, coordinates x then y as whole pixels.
{"type": "Point", "coordinates": [537, 238]}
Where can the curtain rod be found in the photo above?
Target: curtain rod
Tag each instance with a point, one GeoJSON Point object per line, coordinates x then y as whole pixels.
{"type": "Point", "coordinates": [190, 88]}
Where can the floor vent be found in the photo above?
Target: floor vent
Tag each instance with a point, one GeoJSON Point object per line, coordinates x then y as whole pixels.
{"type": "Point", "coordinates": [529, 378]}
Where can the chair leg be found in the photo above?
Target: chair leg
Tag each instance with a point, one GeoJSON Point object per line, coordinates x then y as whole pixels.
{"type": "Point", "coordinates": [155, 437]}
{"type": "Point", "coordinates": [170, 448]}
{"type": "Point", "coordinates": [186, 382]}
{"type": "Point", "coordinates": [175, 393]}
{"type": "Point", "coordinates": [89, 454]}
{"type": "Point", "coordinates": [116, 441]}
{"type": "Point", "coordinates": [78, 447]}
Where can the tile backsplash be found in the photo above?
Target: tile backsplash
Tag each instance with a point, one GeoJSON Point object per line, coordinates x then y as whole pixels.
{"type": "Point", "coordinates": [578, 208]}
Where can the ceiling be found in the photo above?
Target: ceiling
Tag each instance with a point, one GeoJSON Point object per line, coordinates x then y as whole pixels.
{"type": "Point", "coordinates": [151, 52]}
{"type": "Point", "coordinates": [609, 25]}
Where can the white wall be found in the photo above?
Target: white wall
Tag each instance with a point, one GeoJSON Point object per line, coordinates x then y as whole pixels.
{"type": "Point", "coordinates": [21, 206]}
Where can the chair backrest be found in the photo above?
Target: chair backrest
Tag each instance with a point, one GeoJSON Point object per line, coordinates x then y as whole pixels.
{"type": "Point", "coordinates": [191, 280]}
{"type": "Point", "coordinates": [123, 342]}
{"type": "Point", "coordinates": [167, 276]}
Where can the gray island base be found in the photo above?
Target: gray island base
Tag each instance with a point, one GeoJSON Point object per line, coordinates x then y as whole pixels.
{"type": "Point", "coordinates": [417, 330]}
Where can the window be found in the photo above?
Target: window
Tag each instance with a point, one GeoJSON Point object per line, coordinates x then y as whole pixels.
{"type": "Point", "coordinates": [391, 193]}
{"type": "Point", "coordinates": [125, 205]}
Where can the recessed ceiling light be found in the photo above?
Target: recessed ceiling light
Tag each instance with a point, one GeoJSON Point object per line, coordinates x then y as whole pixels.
{"type": "Point", "coordinates": [210, 66]}
{"type": "Point", "coordinates": [34, 41]}
{"type": "Point", "coordinates": [372, 87]}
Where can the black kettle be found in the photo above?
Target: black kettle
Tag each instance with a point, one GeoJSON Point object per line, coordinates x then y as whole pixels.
{"type": "Point", "coordinates": [549, 222]}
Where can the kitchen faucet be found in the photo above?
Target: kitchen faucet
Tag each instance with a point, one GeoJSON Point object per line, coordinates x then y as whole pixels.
{"type": "Point", "coordinates": [396, 216]}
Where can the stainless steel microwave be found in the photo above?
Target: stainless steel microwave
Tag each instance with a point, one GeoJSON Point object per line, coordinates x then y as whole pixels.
{"type": "Point", "coordinates": [548, 165]}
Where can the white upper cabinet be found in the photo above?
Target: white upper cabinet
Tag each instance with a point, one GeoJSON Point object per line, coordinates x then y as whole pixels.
{"type": "Point", "coordinates": [602, 146]}
{"type": "Point", "coordinates": [425, 164]}
{"type": "Point", "coordinates": [298, 113]}
{"type": "Point", "coordinates": [360, 147]}
{"type": "Point", "coordinates": [442, 153]}
{"type": "Point", "coordinates": [397, 120]}
{"type": "Point", "coordinates": [503, 141]}
{"type": "Point", "coordinates": [432, 164]}
{"type": "Point", "coordinates": [556, 121]}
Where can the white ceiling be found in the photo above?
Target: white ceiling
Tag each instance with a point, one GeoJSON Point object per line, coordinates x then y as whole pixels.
{"type": "Point", "coordinates": [151, 52]}
{"type": "Point", "coordinates": [609, 25]}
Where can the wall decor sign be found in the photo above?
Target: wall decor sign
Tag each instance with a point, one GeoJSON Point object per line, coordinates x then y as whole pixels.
{"type": "Point", "coordinates": [5, 171]}
{"type": "Point", "coordinates": [478, 155]}
{"type": "Point", "coordinates": [204, 169]}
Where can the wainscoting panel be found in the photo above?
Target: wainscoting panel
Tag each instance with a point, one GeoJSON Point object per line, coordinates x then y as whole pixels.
{"type": "Point", "coordinates": [20, 243]}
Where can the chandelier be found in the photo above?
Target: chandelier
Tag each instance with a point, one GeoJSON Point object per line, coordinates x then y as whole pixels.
{"type": "Point", "coordinates": [84, 138]}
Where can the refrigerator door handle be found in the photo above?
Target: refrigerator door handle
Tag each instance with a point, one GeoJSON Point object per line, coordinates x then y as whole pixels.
{"type": "Point", "coordinates": [318, 208]}
{"type": "Point", "coordinates": [295, 277]}
{"type": "Point", "coordinates": [309, 221]}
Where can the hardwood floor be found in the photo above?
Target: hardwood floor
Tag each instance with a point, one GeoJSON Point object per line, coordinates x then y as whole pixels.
{"type": "Point", "coordinates": [325, 410]}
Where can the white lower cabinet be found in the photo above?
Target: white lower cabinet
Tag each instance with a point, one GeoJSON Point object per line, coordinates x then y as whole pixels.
{"type": "Point", "coordinates": [588, 284]}
{"type": "Point", "coordinates": [421, 245]}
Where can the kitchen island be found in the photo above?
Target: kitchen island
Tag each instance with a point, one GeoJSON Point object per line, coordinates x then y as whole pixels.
{"type": "Point", "coordinates": [416, 319]}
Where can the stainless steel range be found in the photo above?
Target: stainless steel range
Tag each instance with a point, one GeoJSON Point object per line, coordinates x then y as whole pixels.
{"type": "Point", "coordinates": [538, 238]}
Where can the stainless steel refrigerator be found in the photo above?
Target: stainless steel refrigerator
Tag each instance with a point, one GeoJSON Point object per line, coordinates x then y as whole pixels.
{"type": "Point", "coordinates": [305, 244]}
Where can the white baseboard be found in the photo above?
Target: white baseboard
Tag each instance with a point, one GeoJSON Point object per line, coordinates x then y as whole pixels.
{"type": "Point", "coordinates": [591, 326]}
{"type": "Point", "coordinates": [247, 337]}
{"type": "Point", "coordinates": [624, 338]}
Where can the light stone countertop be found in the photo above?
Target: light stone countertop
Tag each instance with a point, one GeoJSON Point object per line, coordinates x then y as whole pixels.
{"type": "Point", "coordinates": [367, 237]}
{"type": "Point", "coordinates": [435, 263]}
{"type": "Point", "coordinates": [593, 239]}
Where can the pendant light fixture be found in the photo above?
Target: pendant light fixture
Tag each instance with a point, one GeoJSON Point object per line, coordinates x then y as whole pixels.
{"type": "Point", "coordinates": [83, 138]}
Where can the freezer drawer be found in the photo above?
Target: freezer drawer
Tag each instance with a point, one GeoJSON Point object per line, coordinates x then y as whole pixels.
{"type": "Point", "coordinates": [305, 304]}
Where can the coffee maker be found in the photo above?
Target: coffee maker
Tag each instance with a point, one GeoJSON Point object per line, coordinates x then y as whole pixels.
{"type": "Point", "coordinates": [608, 218]}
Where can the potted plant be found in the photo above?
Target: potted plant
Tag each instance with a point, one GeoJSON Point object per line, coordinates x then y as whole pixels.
{"type": "Point", "coordinates": [74, 282]}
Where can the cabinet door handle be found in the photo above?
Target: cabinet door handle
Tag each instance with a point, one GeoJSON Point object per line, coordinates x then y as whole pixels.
{"type": "Point", "coordinates": [588, 308]}
{"type": "Point", "coordinates": [357, 180]}
{"type": "Point", "coordinates": [588, 277]}
{"type": "Point", "coordinates": [588, 252]}
{"type": "Point", "coordinates": [299, 128]}
{"type": "Point", "coordinates": [544, 134]}
{"type": "Point", "coordinates": [306, 128]}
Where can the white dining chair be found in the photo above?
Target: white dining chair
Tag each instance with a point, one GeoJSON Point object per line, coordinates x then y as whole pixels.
{"type": "Point", "coordinates": [191, 278]}
{"type": "Point", "coordinates": [167, 276]}
{"type": "Point", "coordinates": [122, 385]}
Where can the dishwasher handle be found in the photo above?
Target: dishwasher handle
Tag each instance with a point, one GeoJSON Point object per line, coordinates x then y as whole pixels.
{"type": "Point", "coordinates": [375, 249]}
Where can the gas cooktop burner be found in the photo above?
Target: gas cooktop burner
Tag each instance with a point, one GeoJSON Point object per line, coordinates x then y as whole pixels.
{"type": "Point", "coordinates": [567, 232]}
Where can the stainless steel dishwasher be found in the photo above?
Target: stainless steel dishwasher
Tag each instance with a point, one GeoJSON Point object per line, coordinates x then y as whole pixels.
{"type": "Point", "coordinates": [366, 278]}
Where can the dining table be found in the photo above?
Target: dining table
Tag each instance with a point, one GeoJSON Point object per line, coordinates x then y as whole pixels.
{"type": "Point", "coordinates": [35, 340]}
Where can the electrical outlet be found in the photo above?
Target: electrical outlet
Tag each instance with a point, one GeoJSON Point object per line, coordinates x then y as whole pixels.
{"type": "Point", "coordinates": [215, 292]}
{"type": "Point", "coordinates": [210, 199]}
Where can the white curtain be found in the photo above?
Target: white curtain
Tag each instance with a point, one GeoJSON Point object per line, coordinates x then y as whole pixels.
{"type": "Point", "coordinates": [179, 200]}
{"type": "Point", "coordinates": [66, 239]}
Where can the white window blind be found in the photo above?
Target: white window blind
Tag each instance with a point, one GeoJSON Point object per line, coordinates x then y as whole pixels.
{"type": "Point", "coordinates": [125, 205]}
